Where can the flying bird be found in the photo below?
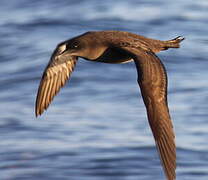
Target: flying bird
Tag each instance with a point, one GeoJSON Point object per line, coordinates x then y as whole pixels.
{"type": "Point", "coordinates": [120, 47]}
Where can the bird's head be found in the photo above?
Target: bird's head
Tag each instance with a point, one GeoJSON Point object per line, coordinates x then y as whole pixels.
{"type": "Point", "coordinates": [85, 46]}
{"type": "Point", "coordinates": [72, 47]}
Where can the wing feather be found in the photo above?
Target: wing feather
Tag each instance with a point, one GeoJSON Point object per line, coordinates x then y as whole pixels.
{"type": "Point", "coordinates": [152, 80]}
{"type": "Point", "coordinates": [54, 77]}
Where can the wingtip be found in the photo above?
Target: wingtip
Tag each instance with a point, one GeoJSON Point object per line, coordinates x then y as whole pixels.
{"type": "Point", "coordinates": [38, 112]}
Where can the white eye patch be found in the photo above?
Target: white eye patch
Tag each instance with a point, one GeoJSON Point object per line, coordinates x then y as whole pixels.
{"type": "Point", "coordinates": [62, 48]}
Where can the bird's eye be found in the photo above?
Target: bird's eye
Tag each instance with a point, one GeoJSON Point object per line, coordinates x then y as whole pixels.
{"type": "Point", "coordinates": [73, 45]}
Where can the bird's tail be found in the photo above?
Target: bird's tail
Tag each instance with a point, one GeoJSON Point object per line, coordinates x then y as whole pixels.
{"type": "Point", "coordinates": [157, 45]}
{"type": "Point", "coordinates": [173, 43]}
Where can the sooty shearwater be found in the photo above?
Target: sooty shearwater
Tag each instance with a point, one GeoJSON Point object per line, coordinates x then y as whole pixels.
{"type": "Point", "coordinates": [120, 47]}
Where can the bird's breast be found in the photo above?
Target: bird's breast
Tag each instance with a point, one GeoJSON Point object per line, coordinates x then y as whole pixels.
{"type": "Point", "coordinates": [114, 56]}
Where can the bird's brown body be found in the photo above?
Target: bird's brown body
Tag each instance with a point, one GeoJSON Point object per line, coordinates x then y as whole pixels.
{"type": "Point", "coordinates": [120, 47]}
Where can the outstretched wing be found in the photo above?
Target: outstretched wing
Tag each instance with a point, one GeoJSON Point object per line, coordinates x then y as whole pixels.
{"type": "Point", "coordinates": [152, 80]}
{"type": "Point", "coordinates": [54, 77]}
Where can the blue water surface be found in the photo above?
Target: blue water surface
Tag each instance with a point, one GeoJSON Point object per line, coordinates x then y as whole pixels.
{"type": "Point", "coordinates": [96, 128]}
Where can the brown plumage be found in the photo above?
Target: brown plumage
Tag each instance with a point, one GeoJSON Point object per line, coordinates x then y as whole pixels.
{"type": "Point", "coordinates": [120, 47]}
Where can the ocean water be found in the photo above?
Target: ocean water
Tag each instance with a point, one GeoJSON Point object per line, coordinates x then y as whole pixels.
{"type": "Point", "coordinates": [96, 128]}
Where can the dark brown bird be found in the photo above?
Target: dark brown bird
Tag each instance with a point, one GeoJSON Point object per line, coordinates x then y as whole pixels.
{"type": "Point", "coordinates": [120, 47]}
